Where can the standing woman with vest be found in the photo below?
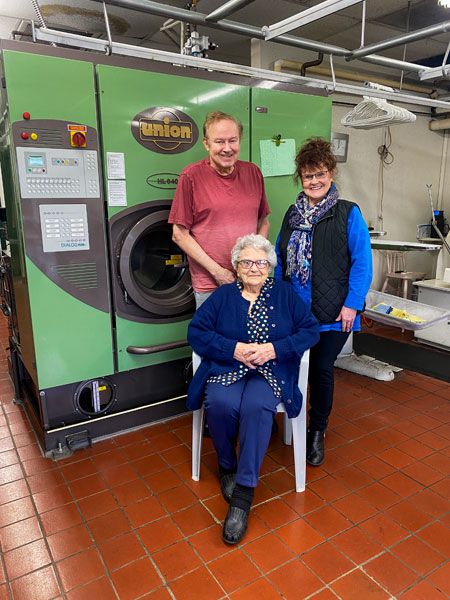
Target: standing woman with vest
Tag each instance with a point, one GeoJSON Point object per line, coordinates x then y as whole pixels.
{"type": "Point", "coordinates": [324, 251]}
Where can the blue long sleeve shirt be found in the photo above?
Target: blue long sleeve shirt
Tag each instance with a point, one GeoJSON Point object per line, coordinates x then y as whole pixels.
{"type": "Point", "coordinates": [221, 322]}
{"type": "Point", "coordinates": [360, 270]}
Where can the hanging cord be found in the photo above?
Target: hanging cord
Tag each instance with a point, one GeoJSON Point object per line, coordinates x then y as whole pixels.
{"type": "Point", "coordinates": [386, 156]}
{"type": "Point", "coordinates": [386, 159]}
{"type": "Point", "coordinates": [363, 24]}
{"type": "Point", "coordinates": [408, 18]}
{"type": "Point", "coordinates": [331, 89]}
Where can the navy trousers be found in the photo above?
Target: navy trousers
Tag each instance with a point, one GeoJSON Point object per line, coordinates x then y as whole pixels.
{"type": "Point", "coordinates": [321, 377]}
{"type": "Point", "coordinates": [243, 410]}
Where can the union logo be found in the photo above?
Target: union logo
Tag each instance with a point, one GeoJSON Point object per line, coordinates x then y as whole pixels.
{"type": "Point", "coordinates": [164, 130]}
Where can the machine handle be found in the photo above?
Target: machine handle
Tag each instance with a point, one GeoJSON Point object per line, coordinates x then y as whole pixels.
{"type": "Point", "coordinates": [157, 348]}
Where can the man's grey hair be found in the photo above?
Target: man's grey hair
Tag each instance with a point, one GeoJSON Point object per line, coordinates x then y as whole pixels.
{"type": "Point", "coordinates": [253, 240]}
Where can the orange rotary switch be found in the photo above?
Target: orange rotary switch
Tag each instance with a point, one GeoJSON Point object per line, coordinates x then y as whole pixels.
{"type": "Point", "coordinates": [77, 139]}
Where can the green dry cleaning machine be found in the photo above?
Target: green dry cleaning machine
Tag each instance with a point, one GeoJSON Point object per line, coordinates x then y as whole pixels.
{"type": "Point", "coordinates": [100, 297]}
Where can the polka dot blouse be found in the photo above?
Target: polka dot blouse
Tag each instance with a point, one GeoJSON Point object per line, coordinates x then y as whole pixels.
{"type": "Point", "coordinates": [258, 331]}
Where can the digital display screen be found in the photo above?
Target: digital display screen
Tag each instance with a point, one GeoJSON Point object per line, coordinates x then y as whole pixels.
{"type": "Point", "coordinates": [36, 160]}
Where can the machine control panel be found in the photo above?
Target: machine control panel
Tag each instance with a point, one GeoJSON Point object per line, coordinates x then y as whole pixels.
{"type": "Point", "coordinates": [64, 227]}
{"type": "Point", "coordinates": [58, 173]}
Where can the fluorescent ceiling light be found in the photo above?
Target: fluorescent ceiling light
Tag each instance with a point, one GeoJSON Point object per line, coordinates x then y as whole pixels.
{"type": "Point", "coordinates": [328, 7]}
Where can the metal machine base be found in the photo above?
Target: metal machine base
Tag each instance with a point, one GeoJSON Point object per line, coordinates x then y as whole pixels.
{"type": "Point", "coordinates": [140, 397]}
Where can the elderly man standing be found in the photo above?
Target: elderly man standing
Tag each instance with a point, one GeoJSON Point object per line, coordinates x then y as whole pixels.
{"type": "Point", "coordinates": [217, 200]}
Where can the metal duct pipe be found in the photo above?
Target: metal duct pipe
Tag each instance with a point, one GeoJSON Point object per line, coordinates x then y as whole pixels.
{"type": "Point", "coordinates": [384, 61]}
{"type": "Point", "coordinates": [406, 38]}
{"type": "Point", "coordinates": [196, 18]}
{"type": "Point", "coordinates": [439, 124]}
{"type": "Point", "coordinates": [226, 9]}
{"type": "Point", "coordinates": [80, 41]}
{"type": "Point", "coordinates": [294, 65]}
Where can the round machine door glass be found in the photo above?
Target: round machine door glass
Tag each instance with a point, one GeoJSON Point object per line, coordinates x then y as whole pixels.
{"type": "Point", "coordinates": [156, 261]}
{"type": "Point", "coordinates": [154, 271]}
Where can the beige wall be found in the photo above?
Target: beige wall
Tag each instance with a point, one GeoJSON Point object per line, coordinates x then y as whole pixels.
{"type": "Point", "coordinates": [420, 157]}
{"type": "Point", "coordinates": [417, 161]}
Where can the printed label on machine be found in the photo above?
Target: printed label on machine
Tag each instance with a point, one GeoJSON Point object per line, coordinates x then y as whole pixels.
{"type": "Point", "coordinates": [64, 227]}
{"type": "Point", "coordinates": [116, 165]}
{"type": "Point", "coordinates": [117, 192]}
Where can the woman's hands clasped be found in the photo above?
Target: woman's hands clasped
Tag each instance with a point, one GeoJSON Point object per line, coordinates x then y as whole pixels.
{"type": "Point", "coordinates": [253, 355]}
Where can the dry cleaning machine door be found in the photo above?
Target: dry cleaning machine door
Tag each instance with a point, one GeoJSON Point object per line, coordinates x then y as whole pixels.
{"type": "Point", "coordinates": [151, 279]}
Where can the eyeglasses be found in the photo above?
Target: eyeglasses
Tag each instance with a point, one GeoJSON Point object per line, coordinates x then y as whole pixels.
{"type": "Point", "coordinates": [318, 175]}
{"type": "Point", "coordinates": [248, 264]}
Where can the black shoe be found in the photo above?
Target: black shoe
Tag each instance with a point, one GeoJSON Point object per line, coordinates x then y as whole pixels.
{"type": "Point", "coordinates": [227, 483]}
{"type": "Point", "coordinates": [206, 430]}
{"type": "Point", "coordinates": [315, 450]}
{"type": "Point", "coordinates": [235, 525]}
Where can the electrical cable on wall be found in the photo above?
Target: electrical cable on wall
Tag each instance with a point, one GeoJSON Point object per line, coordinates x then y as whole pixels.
{"type": "Point", "coordinates": [386, 159]}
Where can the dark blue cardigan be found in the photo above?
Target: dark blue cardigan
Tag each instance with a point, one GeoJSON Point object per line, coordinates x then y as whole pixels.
{"type": "Point", "coordinates": [221, 322]}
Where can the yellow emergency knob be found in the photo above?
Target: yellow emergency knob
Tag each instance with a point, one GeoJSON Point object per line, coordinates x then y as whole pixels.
{"type": "Point", "coordinates": [34, 136]}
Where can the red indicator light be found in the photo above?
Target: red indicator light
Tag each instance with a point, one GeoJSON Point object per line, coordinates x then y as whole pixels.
{"type": "Point", "coordinates": [24, 135]}
{"type": "Point", "coordinates": [26, 116]}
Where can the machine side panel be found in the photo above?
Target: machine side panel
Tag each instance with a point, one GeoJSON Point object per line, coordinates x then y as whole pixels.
{"type": "Point", "coordinates": [292, 116]}
{"type": "Point", "coordinates": [71, 322]}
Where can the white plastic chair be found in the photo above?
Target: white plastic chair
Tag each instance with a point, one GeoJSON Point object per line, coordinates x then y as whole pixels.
{"type": "Point", "coordinates": [294, 429]}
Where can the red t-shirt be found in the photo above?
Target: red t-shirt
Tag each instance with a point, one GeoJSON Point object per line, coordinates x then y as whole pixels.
{"type": "Point", "coordinates": [216, 210]}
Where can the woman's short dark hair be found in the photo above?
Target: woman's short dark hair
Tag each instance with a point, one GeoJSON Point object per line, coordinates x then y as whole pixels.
{"type": "Point", "coordinates": [314, 154]}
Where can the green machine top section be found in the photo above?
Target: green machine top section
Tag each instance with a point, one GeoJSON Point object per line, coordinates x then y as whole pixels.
{"type": "Point", "coordinates": [290, 116]}
{"type": "Point", "coordinates": [49, 87]}
{"type": "Point", "coordinates": [62, 338]}
{"type": "Point", "coordinates": [132, 105]}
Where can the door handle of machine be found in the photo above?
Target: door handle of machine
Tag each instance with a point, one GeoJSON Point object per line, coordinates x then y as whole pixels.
{"type": "Point", "coordinates": [156, 348]}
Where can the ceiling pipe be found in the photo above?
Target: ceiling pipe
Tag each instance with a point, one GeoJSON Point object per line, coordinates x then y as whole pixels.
{"type": "Point", "coordinates": [293, 65]}
{"type": "Point", "coordinates": [399, 40]}
{"type": "Point", "coordinates": [226, 9]}
{"type": "Point", "coordinates": [384, 61]}
{"type": "Point", "coordinates": [83, 41]}
{"type": "Point", "coordinates": [194, 17]}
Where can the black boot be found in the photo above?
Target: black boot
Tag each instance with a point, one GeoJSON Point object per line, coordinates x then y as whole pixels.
{"type": "Point", "coordinates": [315, 450]}
{"type": "Point", "coordinates": [227, 483]}
{"type": "Point", "coordinates": [236, 521]}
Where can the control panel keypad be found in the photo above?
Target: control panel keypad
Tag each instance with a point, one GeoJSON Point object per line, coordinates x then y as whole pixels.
{"type": "Point", "coordinates": [53, 186]}
{"type": "Point", "coordinates": [56, 173]}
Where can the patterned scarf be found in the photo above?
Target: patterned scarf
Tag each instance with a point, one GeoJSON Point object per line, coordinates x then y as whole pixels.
{"type": "Point", "coordinates": [302, 220]}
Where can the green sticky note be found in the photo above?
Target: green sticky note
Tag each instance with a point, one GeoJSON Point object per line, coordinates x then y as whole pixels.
{"type": "Point", "coordinates": [277, 160]}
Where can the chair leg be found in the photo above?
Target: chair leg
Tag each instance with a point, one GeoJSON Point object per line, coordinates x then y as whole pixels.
{"type": "Point", "coordinates": [197, 438]}
{"type": "Point", "coordinates": [287, 430]}
{"type": "Point", "coordinates": [299, 444]}
{"type": "Point", "coordinates": [385, 284]}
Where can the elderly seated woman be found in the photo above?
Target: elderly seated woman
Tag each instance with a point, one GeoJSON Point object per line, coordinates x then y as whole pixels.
{"type": "Point", "coordinates": [251, 335]}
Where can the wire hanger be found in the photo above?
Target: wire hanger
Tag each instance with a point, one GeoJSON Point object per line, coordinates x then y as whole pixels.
{"type": "Point", "coordinates": [374, 112]}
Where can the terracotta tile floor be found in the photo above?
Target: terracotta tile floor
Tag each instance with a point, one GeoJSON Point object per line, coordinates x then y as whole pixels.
{"type": "Point", "coordinates": [124, 519]}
